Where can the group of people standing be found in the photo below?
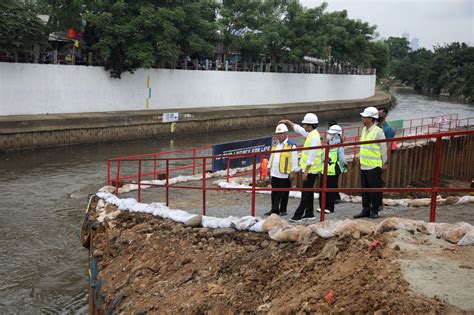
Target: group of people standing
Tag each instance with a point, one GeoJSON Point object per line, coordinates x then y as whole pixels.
{"type": "Point", "coordinates": [284, 165]}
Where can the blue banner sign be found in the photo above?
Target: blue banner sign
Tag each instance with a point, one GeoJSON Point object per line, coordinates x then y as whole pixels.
{"type": "Point", "coordinates": [236, 148]}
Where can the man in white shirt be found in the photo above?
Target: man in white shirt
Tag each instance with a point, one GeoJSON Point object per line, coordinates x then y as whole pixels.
{"type": "Point", "coordinates": [282, 170]}
{"type": "Point", "coordinates": [310, 163]}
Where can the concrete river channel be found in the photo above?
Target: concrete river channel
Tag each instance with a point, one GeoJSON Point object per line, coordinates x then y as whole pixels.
{"type": "Point", "coordinates": [44, 195]}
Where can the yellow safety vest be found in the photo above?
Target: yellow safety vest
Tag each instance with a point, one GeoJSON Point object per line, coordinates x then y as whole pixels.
{"type": "Point", "coordinates": [370, 154]}
{"type": "Point", "coordinates": [285, 159]}
{"type": "Point", "coordinates": [334, 159]}
{"type": "Point", "coordinates": [316, 164]}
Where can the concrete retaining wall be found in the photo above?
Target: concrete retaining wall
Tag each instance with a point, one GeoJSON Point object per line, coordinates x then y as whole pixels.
{"type": "Point", "coordinates": [36, 131]}
{"type": "Point", "coordinates": [27, 89]}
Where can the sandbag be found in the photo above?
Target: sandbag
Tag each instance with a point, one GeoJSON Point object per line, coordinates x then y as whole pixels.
{"type": "Point", "coordinates": [391, 224]}
{"type": "Point", "coordinates": [300, 234]}
{"type": "Point", "coordinates": [423, 202]}
{"type": "Point", "coordinates": [455, 233]}
{"type": "Point", "coordinates": [326, 229]}
{"type": "Point", "coordinates": [272, 222]}
{"type": "Point", "coordinates": [468, 239]}
{"type": "Point", "coordinates": [350, 226]}
{"type": "Point", "coordinates": [245, 223]}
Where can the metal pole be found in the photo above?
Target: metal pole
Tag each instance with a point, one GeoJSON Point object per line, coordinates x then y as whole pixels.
{"type": "Point", "coordinates": [117, 179]}
{"type": "Point", "coordinates": [435, 179]}
{"type": "Point", "coordinates": [324, 184]}
{"type": "Point", "coordinates": [108, 172]}
{"type": "Point", "coordinates": [139, 179]}
{"type": "Point", "coordinates": [204, 186]}
{"type": "Point", "coordinates": [194, 161]}
{"type": "Point", "coordinates": [228, 169]}
{"type": "Point", "coordinates": [167, 182]}
{"type": "Point", "coordinates": [154, 166]}
{"type": "Point", "coordinates": [254, 169]}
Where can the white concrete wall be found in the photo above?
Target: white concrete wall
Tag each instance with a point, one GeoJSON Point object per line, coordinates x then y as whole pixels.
{"type": "Point", "coordinates": [41, 89]}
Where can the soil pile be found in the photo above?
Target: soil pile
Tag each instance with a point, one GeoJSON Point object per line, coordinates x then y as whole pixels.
{"type": "Point", "coordinates": [151, 265]}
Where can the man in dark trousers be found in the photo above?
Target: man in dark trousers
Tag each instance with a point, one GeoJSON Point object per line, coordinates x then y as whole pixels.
{"type": "Point", "coordinates": [310, 163]}
{"type": "Point", "coordinates": [372, 157]}
{"type": "Point", "coordinates": [282, 169]}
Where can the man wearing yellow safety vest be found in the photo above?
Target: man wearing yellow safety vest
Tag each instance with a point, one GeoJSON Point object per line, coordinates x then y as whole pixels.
{"type": "Point", "coordinates": [282, 170]}
{"type": "Point", "coordinates": [310, 163]}
{"type": "Point", "coordinates": [372, 157]}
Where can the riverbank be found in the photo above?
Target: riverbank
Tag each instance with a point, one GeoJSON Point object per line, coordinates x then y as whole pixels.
{"type": "Point", "coordinates": [39, 131]}
{"type": "Point", "coordinates": [402, 266]}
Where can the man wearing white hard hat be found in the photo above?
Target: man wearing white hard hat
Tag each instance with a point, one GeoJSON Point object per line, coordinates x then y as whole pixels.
{"type": "Point", "coordinates": [310, 163]}
{"type": "Point", "coordinates": [282, 169]}
{"type": "Point", "coordinates": [372, 158]}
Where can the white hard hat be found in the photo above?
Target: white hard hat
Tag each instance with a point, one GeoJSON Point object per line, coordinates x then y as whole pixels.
{"type": "Point", "coordinates": [370, 112]}
{"type": "Point", "coordinates": [310, 119]}
{"type": "Point", "coordinates": [281, 128]}
{"type": "Point", "coordinates": [335, 129]}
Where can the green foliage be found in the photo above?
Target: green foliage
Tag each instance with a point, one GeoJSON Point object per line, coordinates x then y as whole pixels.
{"type": "Point", "coordinates": [20, 28]}
{"type": "Point", "coordinates": [449, 70]}
{"type": "Point", "coordinates": [63, 14]}
{"type": "Point", "coordinates": [129, 34]}
{"type": "Point", "coordinates": [136, 34]}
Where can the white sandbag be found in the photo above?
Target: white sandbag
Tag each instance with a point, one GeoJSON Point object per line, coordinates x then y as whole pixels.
{"type": "Point", "coordinates": [298, 233]}
{"type": "Point", "coordinates": [468, 239]}
{"type": "Point", "coordinates": [272, 222]}
{"type": "Point", "coordinates": [214, 223]}
{"type": "Point", "coordinates": [465, 199]}
{"type": "Point", "coordinates": [194, 221]}
{"type": "Point", "coordinates": [257, 227]}
{"type": "Point", "coordinates": [245, 223]}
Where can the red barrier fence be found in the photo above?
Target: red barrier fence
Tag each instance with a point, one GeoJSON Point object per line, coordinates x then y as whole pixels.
{"type": "Point", "coordinates": [434, 189]}
{"type": "Point", "coordinates": [349, 135]}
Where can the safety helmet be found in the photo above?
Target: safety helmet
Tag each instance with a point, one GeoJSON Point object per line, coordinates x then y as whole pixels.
{"type": "Point", "coordinates": [310, 119]}
{"type": "Point", "coordinates": [370, 112]}
{"type": "Point", "coordinates": [335, 129]}
{"type": "Point", "coordinates": [281, 128]}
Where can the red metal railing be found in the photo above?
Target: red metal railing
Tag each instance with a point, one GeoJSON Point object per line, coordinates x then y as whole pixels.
{"type": "Point", "coordinates": [415, 127]}
{"type": "Point", "coordinates": [434, 189]}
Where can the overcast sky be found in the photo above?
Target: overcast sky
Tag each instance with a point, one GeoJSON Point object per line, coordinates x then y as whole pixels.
{"type": "Point", "coordinates": [431, 21]}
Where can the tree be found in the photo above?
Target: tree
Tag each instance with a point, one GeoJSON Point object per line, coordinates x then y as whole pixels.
{"type": "Point", "coordinates": [380, 57]}
{"type": "Point", "coordinates": [238, 24]}
{"type": "Point", "coordinates": [20, 28]}
{"type": "Point", "coordinates": [399, 47]}
{"type": "Point", "coordinates": [63, 14]}
{"type": "Point", "coordinates": [137, 34]}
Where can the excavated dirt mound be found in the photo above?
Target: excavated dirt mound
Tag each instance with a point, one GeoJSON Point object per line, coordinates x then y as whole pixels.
{"type": "Point", "coordinates": [151, 265]}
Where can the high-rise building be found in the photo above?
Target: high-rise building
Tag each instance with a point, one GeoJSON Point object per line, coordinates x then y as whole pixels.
{"type": "Point", "coordinates": [406, 35]}
{"type": "Point", "coordinates": [415, 43]}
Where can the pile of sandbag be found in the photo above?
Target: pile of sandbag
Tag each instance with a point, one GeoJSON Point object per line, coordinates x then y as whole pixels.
{"type": "Point", "coordinates": [281, 231]}
{"type": "Point", "coordinates": [278, 229]}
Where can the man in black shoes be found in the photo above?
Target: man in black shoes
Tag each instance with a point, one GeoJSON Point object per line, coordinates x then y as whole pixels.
{"type": "Point", "coordinates": [310, 163]}
{"type": "Point", "coordinates": [282, 170]}
{"type": "Point", "coordinates": [372, 157]}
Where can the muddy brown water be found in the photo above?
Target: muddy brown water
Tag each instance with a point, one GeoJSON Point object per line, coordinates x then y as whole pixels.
{"type": "Point", "coordinates": [44, 195]}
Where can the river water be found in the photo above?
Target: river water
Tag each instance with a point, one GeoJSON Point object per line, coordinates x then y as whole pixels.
{"type": "Point", "coordinates": [44, 195]}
